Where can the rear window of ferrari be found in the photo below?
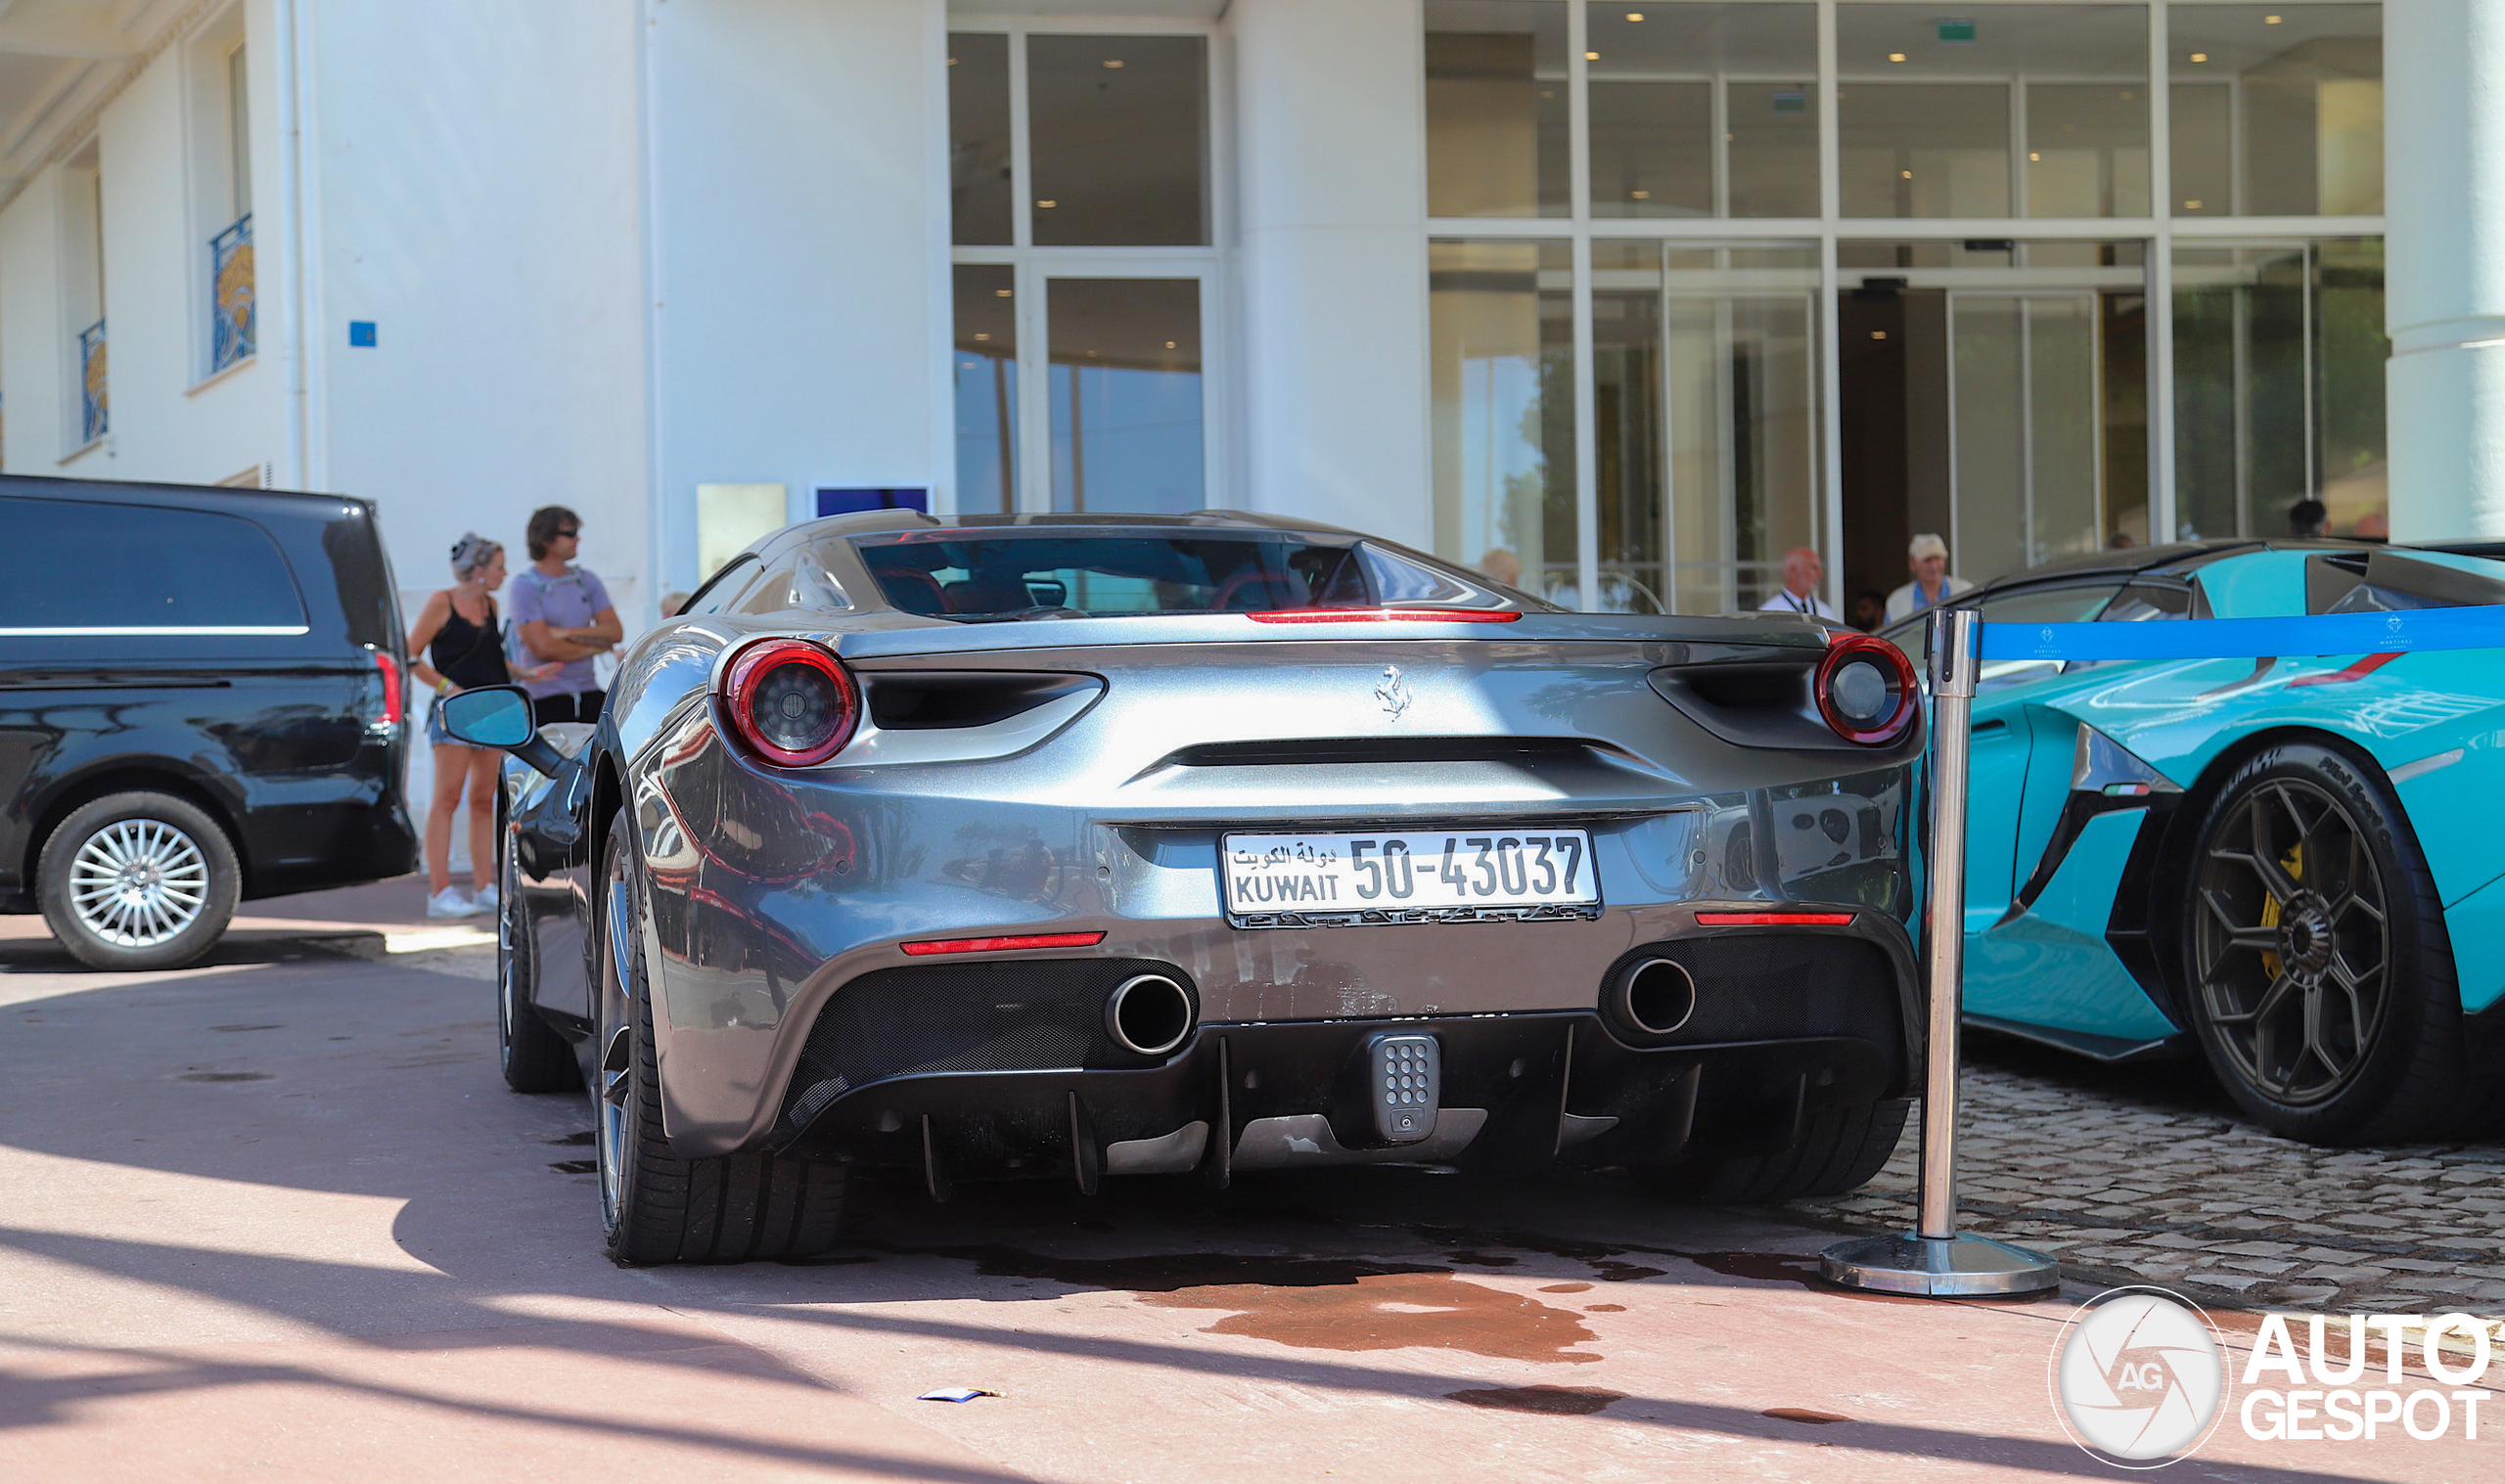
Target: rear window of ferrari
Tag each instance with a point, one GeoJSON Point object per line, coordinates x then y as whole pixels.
{"type": "Point", "coordinates": [992, 575]}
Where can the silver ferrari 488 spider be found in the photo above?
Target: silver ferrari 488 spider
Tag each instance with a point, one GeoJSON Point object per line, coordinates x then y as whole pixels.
{"type": "Point", "coordinates": [1087, 848]}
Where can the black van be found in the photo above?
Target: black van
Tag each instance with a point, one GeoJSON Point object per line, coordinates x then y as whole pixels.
{"type": "Point", "coordinates": [203, 700]}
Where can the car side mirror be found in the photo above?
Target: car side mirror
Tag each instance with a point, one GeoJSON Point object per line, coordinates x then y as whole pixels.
{"type": "Point", "coordinates": [498, 716]}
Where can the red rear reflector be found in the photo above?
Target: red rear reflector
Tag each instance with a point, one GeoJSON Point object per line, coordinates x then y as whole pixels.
{"type": "Point", "coordinates": [1006, 945]}
{"type": "Point", "coordinates": [1774, 920]}
{"type": "Point", "coordinates": [1384, 615]}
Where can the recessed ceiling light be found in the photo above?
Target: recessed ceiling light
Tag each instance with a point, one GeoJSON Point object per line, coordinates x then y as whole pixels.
{"type": "Point", "coordinates": [1906, 174]}
{"type": "Point", "coordinates": [1641, 195]}
{"type": "Point", "coordinates": [952, 61]}
{"type": "Point", "coordinates": [1048, 204]}
{"type": "Point", "coordinates": [1634, 15]}
{"type": "Point", "coordinates": [2031, 154]}
{"type": "Point", "coordinates": [1895, 56]}
{"type": "Point", "coordinates": [1878, 335]}
{"type": "Point", "coordinates": [1170, 344]}
{"type": "Point", "coordinates": [1591, 56]}
{"type": "Point", "coordinates": [2270, 20]}
{"type": "Point", "coordinates": [2199, 56]}
{"type": "Point", "coordinates": [1001, 293]}
{"type": "Point", "coordinates": [2191, 205]}
{"type": "Point", "coordinates": [1114, 61]}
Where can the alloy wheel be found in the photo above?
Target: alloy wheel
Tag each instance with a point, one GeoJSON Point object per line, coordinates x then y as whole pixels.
{"type": "Point", "coordinates": [2292, 942]}
{"type": "Point", "coordinates": [138, 882]}
{"type": "Point", "coordinates": [613, 1084]}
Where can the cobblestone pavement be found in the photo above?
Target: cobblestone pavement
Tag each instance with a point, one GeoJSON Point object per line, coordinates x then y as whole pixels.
{"type": "Point", "coordinates": [2151, 1172]}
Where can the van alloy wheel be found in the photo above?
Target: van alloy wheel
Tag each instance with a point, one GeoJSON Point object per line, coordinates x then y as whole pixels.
{"type": "Point", "coordinates": [138, 882]}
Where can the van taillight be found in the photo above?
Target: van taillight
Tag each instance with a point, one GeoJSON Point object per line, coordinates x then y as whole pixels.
{"type": "Point", "coordinates": [395, 708]}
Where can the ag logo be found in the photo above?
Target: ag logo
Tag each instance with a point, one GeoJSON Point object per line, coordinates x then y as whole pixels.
{"type": "Point", "coordinates": [2138, 1377]}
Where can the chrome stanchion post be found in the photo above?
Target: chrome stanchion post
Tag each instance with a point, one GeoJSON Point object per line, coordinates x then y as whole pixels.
{"type": "Point", "coordinates": [1932, 1259]}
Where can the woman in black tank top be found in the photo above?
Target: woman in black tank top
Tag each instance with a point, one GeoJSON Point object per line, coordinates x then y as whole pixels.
{"type": "Point", "coordinates": [458, 646]}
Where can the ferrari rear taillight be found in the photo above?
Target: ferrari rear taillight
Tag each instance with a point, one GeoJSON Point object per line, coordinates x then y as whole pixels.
{"type": "Point", "coordinates": [1865, 690]}
{"type": "Point", "coordinates": [791, 702]}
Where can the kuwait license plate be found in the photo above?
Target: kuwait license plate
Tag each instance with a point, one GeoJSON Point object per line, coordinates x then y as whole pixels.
{"type": "Point", "coordinates": [1443, 872]}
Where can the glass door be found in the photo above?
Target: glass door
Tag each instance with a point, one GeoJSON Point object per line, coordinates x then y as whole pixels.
{"type": "Point", "coordinates": [2027, 479]}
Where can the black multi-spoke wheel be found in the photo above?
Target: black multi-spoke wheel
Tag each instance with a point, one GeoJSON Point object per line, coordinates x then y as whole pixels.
{"type": "Point", "coordinates": [2320, 976]}
{"type": "Point", "coordinates": [657, 1206]}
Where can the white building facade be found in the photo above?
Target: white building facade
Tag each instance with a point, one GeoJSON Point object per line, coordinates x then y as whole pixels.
{"type": "Point", "coordinates": [1618, 300]}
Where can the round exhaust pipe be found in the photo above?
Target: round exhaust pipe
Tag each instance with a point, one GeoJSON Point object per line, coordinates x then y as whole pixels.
{"type": "Point", "coordinates": [1149, 1014]}
{"type": "Point", "coordinates": [1655, 997]}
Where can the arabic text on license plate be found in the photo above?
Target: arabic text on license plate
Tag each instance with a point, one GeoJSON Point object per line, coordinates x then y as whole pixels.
{"type": "Point", "coordinates": [1433, 868]}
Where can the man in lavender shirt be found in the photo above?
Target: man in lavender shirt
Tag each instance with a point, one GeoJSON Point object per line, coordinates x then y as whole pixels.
{"type": "Point", "coordinates": [560, 612]}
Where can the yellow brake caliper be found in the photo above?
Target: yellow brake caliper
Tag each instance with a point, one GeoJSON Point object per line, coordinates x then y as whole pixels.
{"type": "Point", "coordinates": [2294, 864]}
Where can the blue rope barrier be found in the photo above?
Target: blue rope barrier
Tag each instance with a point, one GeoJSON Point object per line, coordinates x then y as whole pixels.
{"type": "Point", "coordinates": [2480, 628]}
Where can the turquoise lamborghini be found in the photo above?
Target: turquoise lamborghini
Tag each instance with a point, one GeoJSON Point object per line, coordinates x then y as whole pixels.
{"type": "Point", "coordinates": [2287, 863]}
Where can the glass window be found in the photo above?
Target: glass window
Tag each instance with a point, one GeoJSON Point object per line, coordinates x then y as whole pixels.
{"type": "Point", "coordinates": [978, 172]}
{"type": "Point", "coordinates": [1703, 395]}
{"type": "Point", "coordinates": [1662, 76]}
{"type": "Point", "coordinates": [1502, 379]}
{"type": "Point", "coordinates": [1126, 404]}
{"type": "Point", "coordinates": [1927, 104]}
{"type": "Point", "coordinates": [1496, 109]}
{"type": "Point", "coordinates": [2278, 110]}
{"type": "Point", "coordinates": [1117, 144]}
{"type": "Point", "coordinates": [2279, 356]}
{"type": "Point", "coordinates": [1048, 573]}
{"type": "Point", "coordinates": [110, 567]}
{"type": "Point", "coordinates": [984, 368]}
{"type": "Point", "coordinates": [2062, 605]}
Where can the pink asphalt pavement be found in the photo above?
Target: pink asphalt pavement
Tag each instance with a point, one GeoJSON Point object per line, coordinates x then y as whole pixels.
{"type": "Point", "coordinates": [277, 1217]}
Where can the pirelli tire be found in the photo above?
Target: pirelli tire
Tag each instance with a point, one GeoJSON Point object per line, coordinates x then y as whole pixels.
{"type": "Point", "coordinates": [1835, 1150]}
{"type": "Point", "coordinates": [2318, 973]}
{"type": "Point", "coordinates": [656, 1206]}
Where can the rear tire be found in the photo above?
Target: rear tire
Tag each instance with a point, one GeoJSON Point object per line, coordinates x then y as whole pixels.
{"type": "Point", "coordinates": [1838, 1150]}
{"type": "Point", "coordinates": [138, 880]}
{"type": "Point", "coordinates": [2319, 974]}
{"type": "Point", "coordinates": [535, 1058]}
{"type": "Point", "coordinates": [657, 1206]}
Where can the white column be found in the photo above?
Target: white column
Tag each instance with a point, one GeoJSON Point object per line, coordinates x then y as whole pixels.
{"type": "Point", "coordinates": [2445, 295]}
{"type": "Point", "coordinates": [1332, 262]}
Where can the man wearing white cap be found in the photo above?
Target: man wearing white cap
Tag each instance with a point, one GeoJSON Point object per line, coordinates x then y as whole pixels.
{"type": "Point", "coordinates": [1803, 571]}
{"type": "Point", "coordinates": [1927, 557]}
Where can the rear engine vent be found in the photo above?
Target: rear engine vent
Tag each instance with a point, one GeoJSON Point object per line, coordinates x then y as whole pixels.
{"type": "Point", "coordinates": [907, 701]}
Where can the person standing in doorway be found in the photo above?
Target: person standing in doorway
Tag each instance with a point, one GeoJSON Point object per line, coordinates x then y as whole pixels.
{"type": "Point", "coordinates": [1927, 557]}
{"type": "Point", "coordinates": [456, 646]}
{"type": "Point", "coordinates": [1803, 571]}
{"type": "Point", "coordinates": [562, 612]}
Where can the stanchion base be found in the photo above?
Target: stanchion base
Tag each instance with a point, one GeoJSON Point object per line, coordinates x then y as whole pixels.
{"type": "Point", "coordinates": [1964, 1266]}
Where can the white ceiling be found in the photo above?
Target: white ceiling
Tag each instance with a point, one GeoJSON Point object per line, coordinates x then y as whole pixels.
{"type": "Point", "coordinates": [60, 60]}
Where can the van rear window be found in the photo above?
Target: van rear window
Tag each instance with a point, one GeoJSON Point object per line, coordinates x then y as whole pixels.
{"type": "Point", "coordinates": [89, 567]}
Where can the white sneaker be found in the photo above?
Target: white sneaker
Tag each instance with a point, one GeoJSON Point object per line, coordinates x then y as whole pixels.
{"type": "Point", "coordinates": [450, 902]}
{"type": "Point", "coordinates": [486, 901]}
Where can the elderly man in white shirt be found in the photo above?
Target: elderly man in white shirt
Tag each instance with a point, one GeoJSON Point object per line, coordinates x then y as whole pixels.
{"type": "Point", "coordinates": [1803, 571]}
{"type": "Point", "coordinates": [1927, 557]}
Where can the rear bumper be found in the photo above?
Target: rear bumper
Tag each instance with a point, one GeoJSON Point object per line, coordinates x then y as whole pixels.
{"type": "Point", "coordinates": [1001, 1066]}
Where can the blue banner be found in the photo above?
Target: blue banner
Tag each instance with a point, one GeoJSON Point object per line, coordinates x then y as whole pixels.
{"type": "Point", "coordinates": [2481, 628]}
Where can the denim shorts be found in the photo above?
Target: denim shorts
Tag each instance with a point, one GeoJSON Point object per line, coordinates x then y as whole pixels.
{"type": "Point", "coordinates": [434, 728]}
